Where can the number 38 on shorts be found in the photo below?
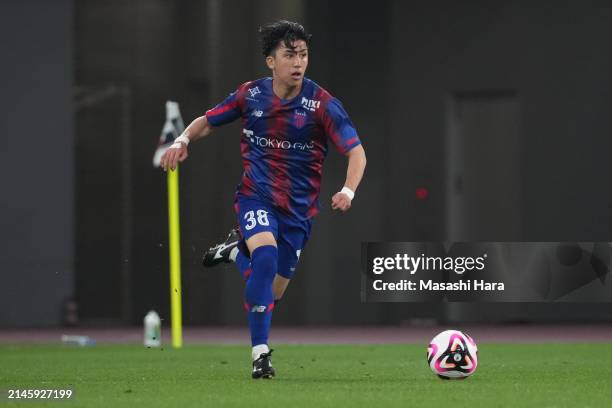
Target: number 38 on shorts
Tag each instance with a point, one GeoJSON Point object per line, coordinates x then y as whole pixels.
{"type": "Point", "coordinates": [255, 217]}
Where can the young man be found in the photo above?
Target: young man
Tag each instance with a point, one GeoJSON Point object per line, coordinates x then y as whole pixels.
{"type": "Point", "coordinates": [288, 121]}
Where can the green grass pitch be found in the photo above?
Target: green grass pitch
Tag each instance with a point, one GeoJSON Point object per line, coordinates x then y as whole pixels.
{"type": "Point", "coordinates": [536, 375]}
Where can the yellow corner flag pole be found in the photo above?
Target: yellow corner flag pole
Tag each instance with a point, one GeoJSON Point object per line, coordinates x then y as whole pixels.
{"type": "Point", "coordinates": [175, 257]}
{"type": "Point", "coordinates": [173, 127]}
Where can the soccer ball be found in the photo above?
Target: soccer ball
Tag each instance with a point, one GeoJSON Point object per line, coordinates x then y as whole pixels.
{"type": "Point", "coordinates": [452, 354]}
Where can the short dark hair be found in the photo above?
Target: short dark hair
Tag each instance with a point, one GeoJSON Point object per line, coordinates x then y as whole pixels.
{"type": "Point", "coordinates": [287, 31]}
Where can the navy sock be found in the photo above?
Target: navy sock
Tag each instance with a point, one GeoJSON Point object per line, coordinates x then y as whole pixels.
{"type": "Point", "coordinates": [259, 300]}
{"type": "Point", "coordinates": [244, 265]}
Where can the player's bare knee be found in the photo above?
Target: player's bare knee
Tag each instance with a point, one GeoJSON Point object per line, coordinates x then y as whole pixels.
{"type": "Point", "coordinates": [279, 286]}
{"type": "Point", "coordinates": [260, 239]}
{"type": "Point", "coordinates": [278, 292]}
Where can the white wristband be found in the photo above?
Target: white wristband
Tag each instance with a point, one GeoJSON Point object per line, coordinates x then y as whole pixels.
{"type": "Point", "coordinates": [182, 139]}
{"type": "Point", "coordinates": [350, 193]}
{"type": "Point", "coordinates": [179, 142]}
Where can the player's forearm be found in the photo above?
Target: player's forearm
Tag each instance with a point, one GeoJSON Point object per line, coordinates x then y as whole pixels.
{"type": "Point", "coordinates": [198, 129]}
{"type": "Point", "coordinates": [356, 167]}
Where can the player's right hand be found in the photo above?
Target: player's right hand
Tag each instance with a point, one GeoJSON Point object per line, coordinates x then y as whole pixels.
{"type": "Point", "coordinates": [174, 155]}
{"type": "Point", "coordinates": [340, 201]}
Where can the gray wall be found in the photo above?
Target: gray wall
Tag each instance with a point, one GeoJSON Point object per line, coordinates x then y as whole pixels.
{"type": "Point", "coordinates": [556, 56]}
{"type": "Point", "coordinates": [36, 209]}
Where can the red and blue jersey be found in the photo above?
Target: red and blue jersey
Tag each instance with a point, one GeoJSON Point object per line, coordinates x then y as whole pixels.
{"type": "Point", "coordinates": [284, 142]}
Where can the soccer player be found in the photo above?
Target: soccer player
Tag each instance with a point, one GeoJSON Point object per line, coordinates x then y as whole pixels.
{"type": "Point", "coordinates": [288, 121]}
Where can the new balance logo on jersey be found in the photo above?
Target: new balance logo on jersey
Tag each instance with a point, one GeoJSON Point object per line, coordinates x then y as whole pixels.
{"type": "Point", "coordinates": [257, 113]}
{"type": "Point", "coordinates": [276, 143]}
{"type": "Point", "coordinates": [310, 104]}
{"type": "Point", "coordinates": [254, 91]}
{"type": "Point", "coordinates": [258, 309]}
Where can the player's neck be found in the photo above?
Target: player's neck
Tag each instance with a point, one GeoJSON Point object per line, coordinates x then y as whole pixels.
{"type": "Point", "coordinates": [284, 91]}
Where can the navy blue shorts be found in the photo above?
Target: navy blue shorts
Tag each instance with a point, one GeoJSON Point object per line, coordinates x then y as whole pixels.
{"type": "Point", "coordinates": [291, 235]}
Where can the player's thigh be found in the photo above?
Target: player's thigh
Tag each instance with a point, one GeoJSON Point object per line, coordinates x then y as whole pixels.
{"type": "Point", "coordinates": [258, 223]}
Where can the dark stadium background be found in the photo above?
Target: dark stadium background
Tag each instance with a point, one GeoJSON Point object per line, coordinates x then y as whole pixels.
{"type": "Point", "coordinates": [83, 211]}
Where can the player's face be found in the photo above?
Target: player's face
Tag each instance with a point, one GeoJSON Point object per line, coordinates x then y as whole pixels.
{"type": "Point", "coordinates": [288, 65]}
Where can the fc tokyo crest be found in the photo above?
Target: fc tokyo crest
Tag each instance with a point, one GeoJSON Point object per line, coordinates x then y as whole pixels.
{"type": "Point", "coordinates": [299, 118]}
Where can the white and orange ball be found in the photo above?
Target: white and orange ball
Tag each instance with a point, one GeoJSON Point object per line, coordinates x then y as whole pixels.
{"type": "Point", "coordinates": [452, 355]}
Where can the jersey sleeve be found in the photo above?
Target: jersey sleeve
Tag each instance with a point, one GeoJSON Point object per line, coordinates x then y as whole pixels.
{"type": "Point", "coordinates": [339, 128]}
{"type": "Point", "coordinates": [229, 110]}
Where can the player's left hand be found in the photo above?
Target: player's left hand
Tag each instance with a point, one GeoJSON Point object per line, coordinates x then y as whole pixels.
{"type": "Point", "coordinates": [341, 201]}
{"type": "Point", "coordinates": [173, 156]}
